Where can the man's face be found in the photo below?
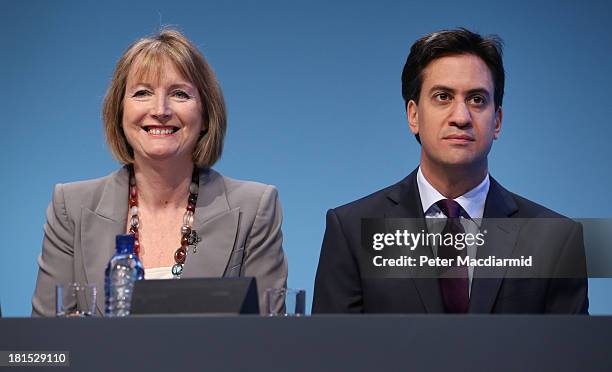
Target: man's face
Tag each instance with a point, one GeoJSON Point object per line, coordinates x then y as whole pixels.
{"type": "Point", "coordinates": [455, 118]}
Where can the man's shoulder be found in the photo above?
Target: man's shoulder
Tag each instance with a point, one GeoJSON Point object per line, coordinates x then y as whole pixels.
{"type": "Point", "coordinates": [526, 209]}
{"type": "Point", "coordinates": [530, 209]}
{"type": "Point", "coordinates": [372, 205]}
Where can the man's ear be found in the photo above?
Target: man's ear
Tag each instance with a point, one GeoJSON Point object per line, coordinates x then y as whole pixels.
{"type": "Point", "coordinates": [498, 122]}
{"type": "Point", "coordinates": [413, 117]}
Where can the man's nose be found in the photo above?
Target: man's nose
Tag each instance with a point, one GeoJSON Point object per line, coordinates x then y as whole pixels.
{"type": "Point", "coordinates": [461, 115]}
{"type": "Point", "coordinates": [161, 110]}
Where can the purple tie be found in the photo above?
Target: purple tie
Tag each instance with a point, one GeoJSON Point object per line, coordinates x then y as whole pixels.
{"type": "Point", "coordinates": [454, 279]}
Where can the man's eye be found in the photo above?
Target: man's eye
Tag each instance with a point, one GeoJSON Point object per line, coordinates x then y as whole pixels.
{"type": "Point", "coordinates": [141, 93]}
{"type": "Point", "coordinates": [478, 100]}
{"type": "Point", "coordinates": [181, 94]}
{"type": "Point", "coordinates": [442, 97]}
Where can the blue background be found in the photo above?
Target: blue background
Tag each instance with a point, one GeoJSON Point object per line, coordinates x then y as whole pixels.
{"type": "Point", "coordinates": [315, 106]}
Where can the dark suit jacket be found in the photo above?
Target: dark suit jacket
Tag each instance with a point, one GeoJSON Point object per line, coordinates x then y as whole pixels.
{"type": "Point", "coordinates": [341, 287]}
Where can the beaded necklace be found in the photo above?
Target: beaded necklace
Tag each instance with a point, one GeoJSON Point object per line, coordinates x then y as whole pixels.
{"type": "Point", "coordinates": [188, 236]}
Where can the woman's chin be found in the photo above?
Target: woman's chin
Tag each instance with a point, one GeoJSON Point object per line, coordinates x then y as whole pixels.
{"type": "Point", "coordinates": [163, 156]}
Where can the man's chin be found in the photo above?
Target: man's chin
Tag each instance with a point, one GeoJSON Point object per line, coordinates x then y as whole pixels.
{"type": "Point", "coordinates": [459, 162]}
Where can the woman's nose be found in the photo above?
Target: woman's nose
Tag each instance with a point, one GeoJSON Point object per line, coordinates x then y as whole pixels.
{"type": "Point", "coordinates": [161, 110]}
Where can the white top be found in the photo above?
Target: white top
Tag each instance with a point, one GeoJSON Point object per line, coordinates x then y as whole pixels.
{"type": "Point", "coordinates": [473, 202]}
{"type": "Point", "coordinates": [158, 273]}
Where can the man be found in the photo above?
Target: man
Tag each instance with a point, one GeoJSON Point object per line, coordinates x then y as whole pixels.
{"type": "Point", "coordinates": [453, 86]}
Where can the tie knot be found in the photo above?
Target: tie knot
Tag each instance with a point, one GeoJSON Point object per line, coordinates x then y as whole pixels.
{"type": "Point", "coordinates": [450, 208]}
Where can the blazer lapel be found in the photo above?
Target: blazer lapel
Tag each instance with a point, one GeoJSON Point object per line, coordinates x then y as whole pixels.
{"type": "Point", "coordinates": [216, 225]}
{"type": "Point", "coordinates": [99, 228]}
{"type": "Point", "coordinates": [500, 240]}
{"type": "Point", "coordinates": [406, 203]}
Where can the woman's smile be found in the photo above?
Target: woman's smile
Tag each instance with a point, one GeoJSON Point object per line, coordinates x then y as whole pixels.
{"type": "Point", "coordinates": [160, 130]}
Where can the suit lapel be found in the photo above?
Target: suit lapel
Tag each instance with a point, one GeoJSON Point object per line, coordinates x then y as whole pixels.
{"type": "Point", "coordinates": [500, 240]}
{"type": "Point", "coordinates": [502, 233]}
{"type": "Point", "coordinates": [216, 225]}
{"type": "Point", "coordinates": [406, 203]}
{"type": "Point", "coordinates": [99, 228]}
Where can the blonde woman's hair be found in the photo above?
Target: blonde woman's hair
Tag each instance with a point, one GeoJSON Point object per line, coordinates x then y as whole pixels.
{"type": "Point", "coordinates": [150, 54]}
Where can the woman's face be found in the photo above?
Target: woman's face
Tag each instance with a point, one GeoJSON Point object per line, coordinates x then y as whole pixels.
{"type": "Point", "coordinates": [162, 118]}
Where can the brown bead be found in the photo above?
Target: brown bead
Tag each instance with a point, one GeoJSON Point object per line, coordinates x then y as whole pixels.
{"type": "Point", "coordinates": [133, 201]}
{"type": "Point", "coordinates": [180, 255]}
{"type": "Point", "coordinates": [191, 207]}
{"type": "Point", "coordinates": [185, 240]}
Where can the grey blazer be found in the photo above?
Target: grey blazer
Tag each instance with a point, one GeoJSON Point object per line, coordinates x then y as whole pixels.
{"type": "Point", "coordinates": [239, 223]}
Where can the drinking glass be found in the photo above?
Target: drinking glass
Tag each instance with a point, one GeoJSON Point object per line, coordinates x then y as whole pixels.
{"type": "Point", "coordinates": [75, 300]}
{"type": "Point", "coordinates": [285, 302]}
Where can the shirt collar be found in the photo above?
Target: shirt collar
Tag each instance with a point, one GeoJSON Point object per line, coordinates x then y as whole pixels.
{"type": "Point", "coordinates": [472, 202]}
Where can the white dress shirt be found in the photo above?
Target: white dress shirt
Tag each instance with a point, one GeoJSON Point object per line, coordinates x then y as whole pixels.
{"type": "Point", "coordinates": [472, 202]}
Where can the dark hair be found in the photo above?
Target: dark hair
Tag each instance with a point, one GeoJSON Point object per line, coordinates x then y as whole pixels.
{"type": "Point", "coordinates": [447, 43]}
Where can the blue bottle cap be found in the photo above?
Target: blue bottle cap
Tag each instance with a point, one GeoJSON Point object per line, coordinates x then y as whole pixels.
{"type": "Point", "coordinates": [125, 243]}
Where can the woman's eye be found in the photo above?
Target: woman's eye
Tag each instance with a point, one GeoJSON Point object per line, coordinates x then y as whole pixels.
{"type": "Point", "coordinates": [181, 94]}
{"type": "Point", "coordinates": [141, 93]}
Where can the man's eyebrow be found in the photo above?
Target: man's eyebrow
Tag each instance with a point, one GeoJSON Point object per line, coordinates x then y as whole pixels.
{"type": "Point", "coordinates": [482, 91]}
{"type": "Point", "coordinates": [444, 88]}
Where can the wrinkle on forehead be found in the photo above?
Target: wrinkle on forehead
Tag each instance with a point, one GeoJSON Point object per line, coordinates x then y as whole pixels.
{"type": "Point", "coordinates": [463, 69]}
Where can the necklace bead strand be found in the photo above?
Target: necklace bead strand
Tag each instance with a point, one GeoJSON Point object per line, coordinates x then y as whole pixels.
{"type": "Point", "coordinates": [187, 235]}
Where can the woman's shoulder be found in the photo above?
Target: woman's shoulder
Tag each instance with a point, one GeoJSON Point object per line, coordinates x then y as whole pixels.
{"type": "Point", "coordinates": [240, 192]}
{"type": "Point", "coordinates": [89, 192]}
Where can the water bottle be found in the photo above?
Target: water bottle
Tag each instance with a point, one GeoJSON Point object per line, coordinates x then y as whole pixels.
{"type": "Point", "coordinates": [123, 270]}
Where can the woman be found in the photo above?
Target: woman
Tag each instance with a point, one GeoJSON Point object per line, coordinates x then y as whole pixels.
{"type": "Point", "coordinates": [165, 119]}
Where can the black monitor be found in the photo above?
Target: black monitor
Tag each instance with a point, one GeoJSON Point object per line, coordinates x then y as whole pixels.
{"type": "Point", "coordinates": [196, 296]}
